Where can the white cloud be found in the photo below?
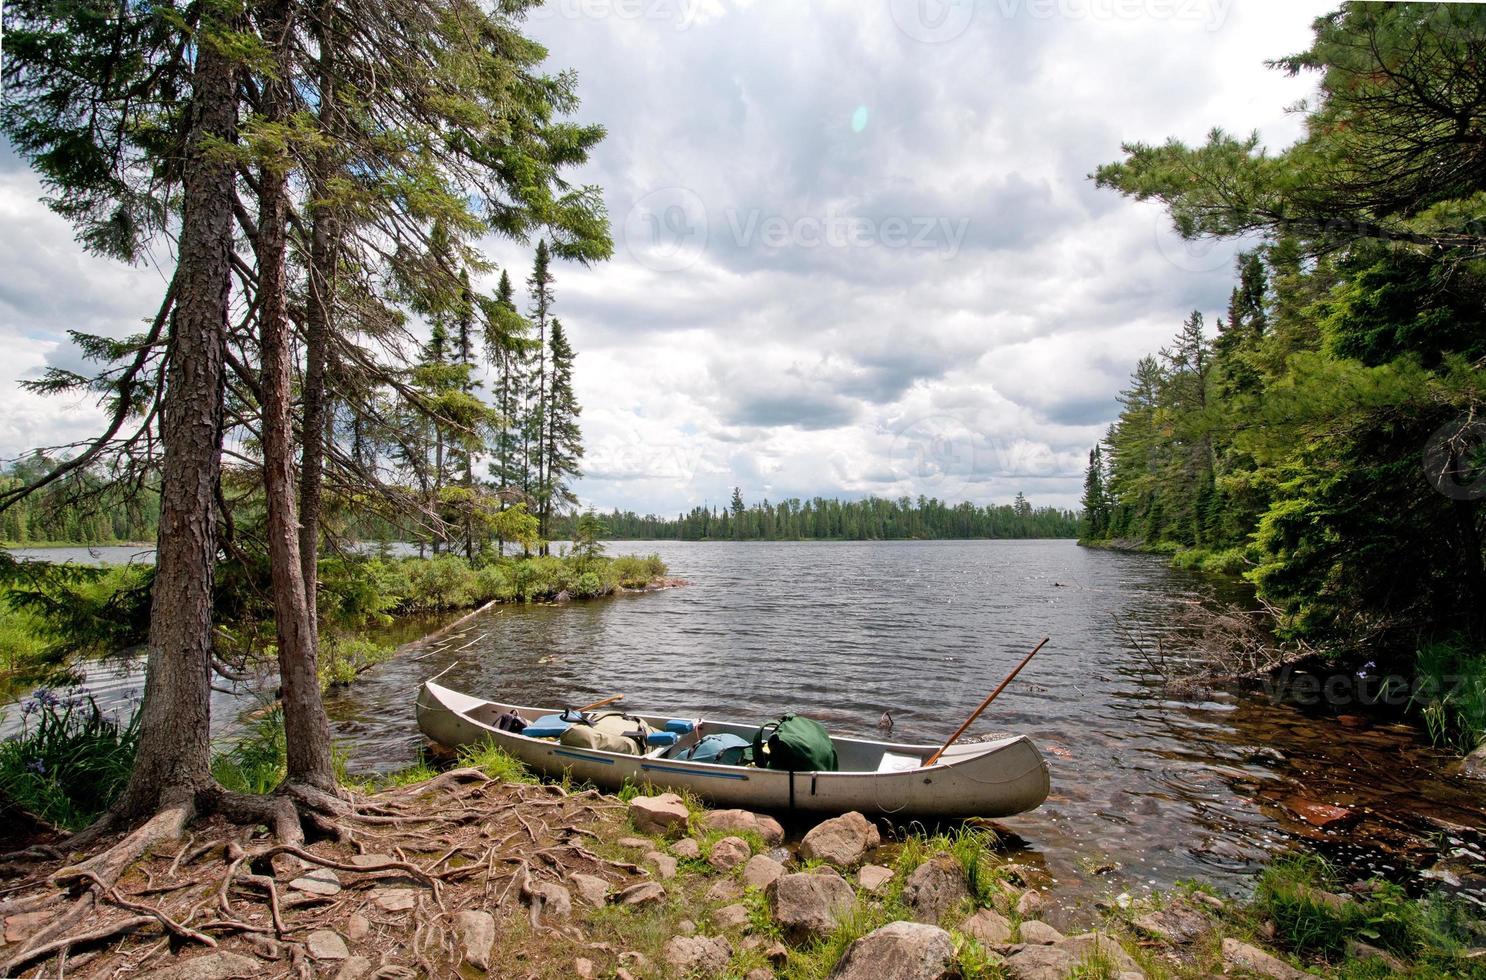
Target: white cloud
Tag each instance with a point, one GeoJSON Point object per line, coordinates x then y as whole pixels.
{"type": "Point", "coordinates": [969, 367]}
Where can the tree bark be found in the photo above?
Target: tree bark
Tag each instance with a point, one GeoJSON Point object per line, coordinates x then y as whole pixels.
{"type": "Point", "coordinates": [306, 727]}
{"type": "Point", "coordinates": [173, 762]}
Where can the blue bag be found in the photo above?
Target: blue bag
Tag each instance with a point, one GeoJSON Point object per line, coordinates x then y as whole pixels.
{"type": "Point", "coordinates": [722, 749]}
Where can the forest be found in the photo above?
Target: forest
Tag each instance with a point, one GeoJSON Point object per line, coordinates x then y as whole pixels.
{"type": "Point", "coordinates": [1322, 437]}
{"type": "Point", "coordinates": [868, 519]}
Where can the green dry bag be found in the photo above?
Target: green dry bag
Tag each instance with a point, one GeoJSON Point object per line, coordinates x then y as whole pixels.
{"type": "Point", "coordinates": [796, 744]}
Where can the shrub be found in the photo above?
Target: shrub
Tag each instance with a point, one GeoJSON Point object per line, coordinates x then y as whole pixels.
{"type": "Point", "coordinates": [1451, 694]}
{"type": "Point", "coordinates": [255, 763]}
{"type": "Point", "coordinates": [69, 762]}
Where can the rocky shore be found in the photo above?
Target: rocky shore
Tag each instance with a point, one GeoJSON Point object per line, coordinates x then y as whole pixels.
{"type": "Point", "coordinates": [483, 872]}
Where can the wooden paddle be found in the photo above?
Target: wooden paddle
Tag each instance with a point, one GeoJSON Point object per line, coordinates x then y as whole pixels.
{"type": "Point", "coordinates": [985, 704]}
{"type": "Point", "coordinates": [606, 701]}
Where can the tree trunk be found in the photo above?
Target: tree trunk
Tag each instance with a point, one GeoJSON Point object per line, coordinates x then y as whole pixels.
{"type": "Point", "coordinates": [319, 313]}
{"type": "Point", "coordinates": [173, 761]}
{"type": "Point", "coordinates": [306, 727]}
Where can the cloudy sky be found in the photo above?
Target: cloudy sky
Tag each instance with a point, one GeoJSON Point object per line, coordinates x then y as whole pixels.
{"type": "Point", "coordinates": [857, 250]}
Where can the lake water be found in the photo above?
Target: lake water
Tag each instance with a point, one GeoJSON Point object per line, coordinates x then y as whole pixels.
{"type": "Point", "coordinates": [1149, 787]}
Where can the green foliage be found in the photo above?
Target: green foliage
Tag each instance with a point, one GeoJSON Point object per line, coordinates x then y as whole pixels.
{"type": "Point", "coordinates": [1451, 693]}
{"type": "Point", "coordinates": [68, 762]}
{"type": "Point", "coordinates": [495, 763]}
{"type": "Point", "coordinates": [257, 760]}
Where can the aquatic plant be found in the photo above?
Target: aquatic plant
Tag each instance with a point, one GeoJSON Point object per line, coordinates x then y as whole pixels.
{"type": "Point", "coordinates": [69, 760]}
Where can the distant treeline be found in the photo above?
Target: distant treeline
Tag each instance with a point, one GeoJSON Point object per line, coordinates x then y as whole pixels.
{"type": "Point", "coordinates": [84, 508]}
{"type": "Point", "coordinates": [869, 519]}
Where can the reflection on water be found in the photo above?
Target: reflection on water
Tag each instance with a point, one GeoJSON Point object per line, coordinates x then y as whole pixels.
{"type": "Point", "coordinates": [1147, 789]}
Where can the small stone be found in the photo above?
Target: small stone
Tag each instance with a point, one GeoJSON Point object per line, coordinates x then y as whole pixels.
{"type": "Point", "coordinates": [1178, 923]}
{"type": "Point", "coordinates": [326, 944]}
{"type": "Point", "coordinates": [1037, 933]}
{"type": "Point", "coordinates": [645, 893]}
{"type": "Point", "coordinates": [1040, 963]}
{"type": "Point", "coordinates": [1322, 815]}
{"type": "Point", "coordinates": [395, 899]}
{"type": "Point", "coordinates": [686, 927]}
{"type": "Point", "coordinates": [1242, 956]}
{"type": "Point", "coordinates": [264, 947]}
{"type": "Point", "coordinates": [874, 876]}
{"type": "Point", "coordinates": [687, 849]}
{"type": "Point", "coordinates": [357, 927]}
{"type": "Point", "coordinates": [901, 951]}
{"type": "Point", "coordinates": [759, 973]}
{"type": "Point", "coordinates": [665, 865]}
{"type": "Point", "coordinates": [987, 927]}
{"type": "Point", "coordinates": [842, 841]}
{"type": "Point", "coordinates": [372, 860]}
{"type": "Point", "coordinates": [725, 890]}
{"type": "Point", "coordinates": [636, 842]}
{"type": "Point", "coordinates": [591, 889]}
{"type": "Point", "coordinates": [211, 966]}
{"type": "Point", "coordinates": [935, 887]}
{"type": "Point", "coordinates": [1358, 950]}
{"type": "Point", "coordinates": [761, 871]}
{"type": "Point", "coordinates": [1029, 904]}
{"type": "Point", "coordinates": [728, 853]}
{"type": "Point", "coordinates": [705, 955]}
{"type": "Point", "coordinates": [354, 968]}
{"type": "Point", "coordinates": [742, 821]}
{"type": "Point", "coordinates": [553, 899]}
{"type": "Point", "coordinates": [476, 932]}
{"type": "Point", "coordinates": [321, 881]}
{"type": "Point", "coordinates": [661, 814]}
{"type": "Point", "coordinates": [639, 961]}
{"type": "Point", "coordinates": [807, 905]}
{"type": "Point", "coordinates": [584, 969]}
{"type": "Point", "coordinates": [19, 928]}
{"type": "Point", "coordinates": [731, 916]}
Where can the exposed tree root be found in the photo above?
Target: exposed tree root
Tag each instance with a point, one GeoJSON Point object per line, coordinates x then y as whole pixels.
{"type": "Point", "coordinates": [197, 875]}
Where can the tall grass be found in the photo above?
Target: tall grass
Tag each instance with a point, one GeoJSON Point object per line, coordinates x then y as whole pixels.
{"type": "Point", "coordinates": [1451, 694]}
{"type": "Point", "coordinates": [69, 762]}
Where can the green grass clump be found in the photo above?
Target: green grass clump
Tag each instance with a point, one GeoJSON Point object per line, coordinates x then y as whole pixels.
{"type": "Point", "coordinates": [1451, 694]}
{"type": "Point", "coordinates": [69, 762]}
{"type": "Point", "coordinates": [257, 761]}
{"type": "Point", "coordinates": [495, 762]}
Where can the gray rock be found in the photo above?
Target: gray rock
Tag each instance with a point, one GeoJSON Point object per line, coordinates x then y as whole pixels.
{"type": "Point", "coordinates": [591, 889]}
{"type": "Point", "coordinates": [553, 899]}
{"type": "Point", "coordinates": [1040, 933]}
{"type": "Point", "coordinates": [665, 865]}
{"type": "Point", "coordinates": [874, 876]}
{"type": "Point", "coordinates": [212, 966]}
{"type": "Point", "coordinates": [706, 955]}
{"type": "Point", "coordinates": [1029, 904]}
{"type": "Point", "coordinates": [759, 973]}
{"type": "Point", "coordinates": [584, 969]}
{"type": "Point", "coordinates": [899, 951]}
{"type": "Point", "coordinates": [357, 927]}
{"type": "Point", "coordinates": [743, 821]}
{"type": "Point", "coordinates": [326, 944]}
{"type": "Point", "coordinates": [355, 968]}
{"type": "Point", "coordinates": [1092, 944]}
{"type": "Point", "coordinates": [661, 814]}
{"type": "Point", "coordinates": [372, 860]}
{"type": "Point", "coordinates": [395, 899]}
{"type": "Point", "coordinates": [761, 871]}
{"type": "Point", "coordinates": [687, 849]}
{"type": "Point", "coordinates": [645, 893]}
{"type": "Point", "coordinates": [642, 842]}
{"type": "Point", "coordinates": [1178, 923]}
{"type": "Point", "coordinates": [725, 890]}
{"type": "Point", "coordinates": [321, 881]}
{"type": "Point", "coordinates": [731, 916]}
{"type": "Point", "coordinates": [808, 905]}
{"type": "Point", "coordinates": [935, 887]}
{"type": "Point", "coordinates": [987, 927]}
{"type": "Point", "coordinates": [1473, 766]}
{"type": "Point", "coordinates": [728, 853]}
{"type": "Point", "coordinates": [1242, 956]}
{"type": "Point", "coordinates": [842, 841]}
{"type": "Point", "coordinates": [1040, 963]}
{"type": "Point", "coordinates": [476, 932]}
